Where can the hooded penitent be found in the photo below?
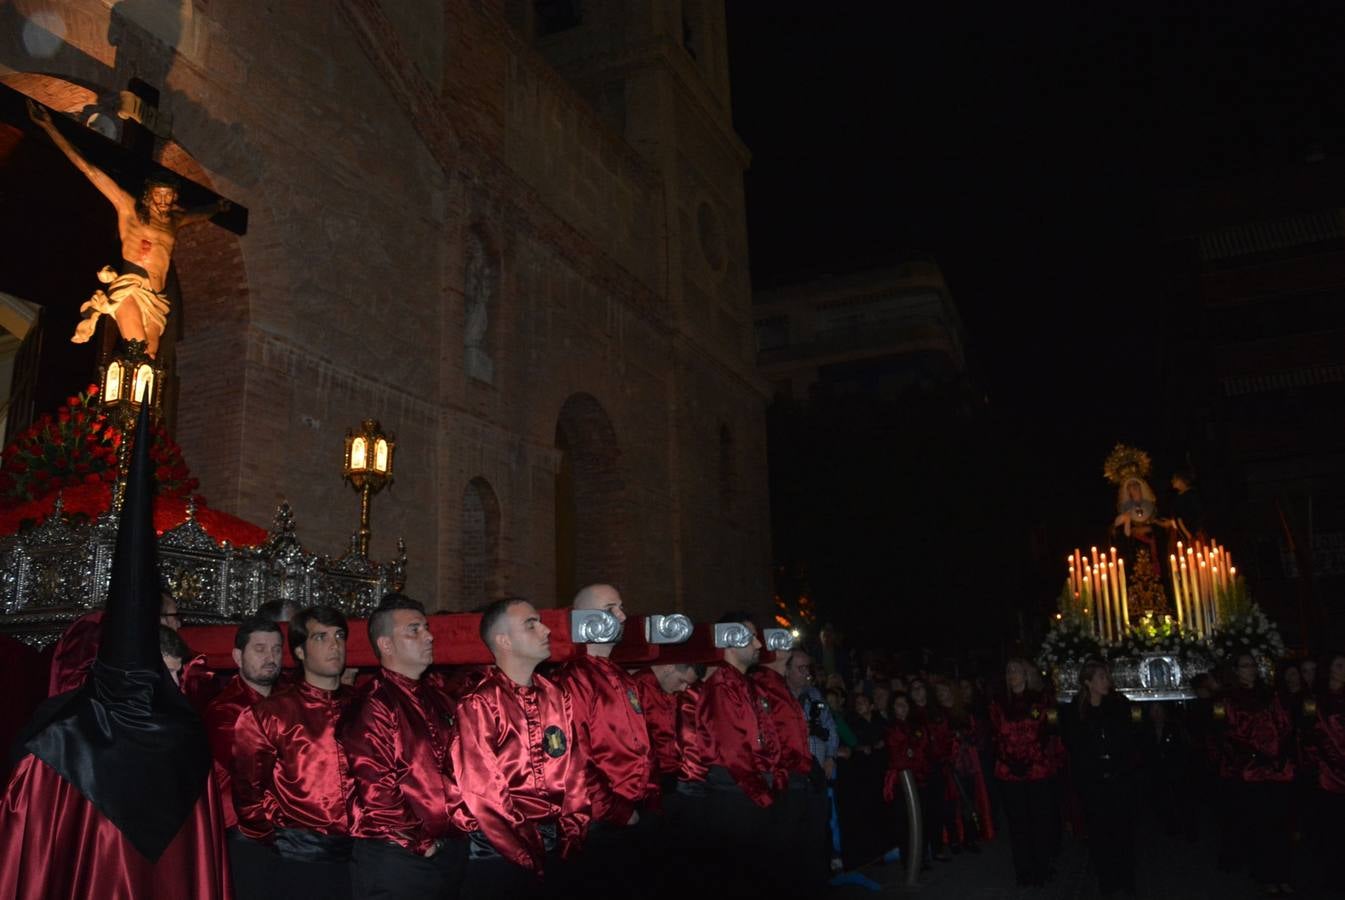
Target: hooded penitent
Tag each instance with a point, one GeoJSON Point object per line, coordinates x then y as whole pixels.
{"type": "Point", "coordinates": [127, 739]}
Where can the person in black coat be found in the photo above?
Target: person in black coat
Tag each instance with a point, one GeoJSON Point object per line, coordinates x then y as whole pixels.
{"type": "Point", "coordinates": [1103, 752]}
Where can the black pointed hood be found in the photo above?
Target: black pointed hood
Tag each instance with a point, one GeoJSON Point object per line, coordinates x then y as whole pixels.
{"type": "Point", "coordinates": [127, 739]}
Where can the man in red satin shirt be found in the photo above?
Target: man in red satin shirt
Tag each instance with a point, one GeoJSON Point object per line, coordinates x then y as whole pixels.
{"type": "Point", "coordinates": [292, 783]}
{"type": "Point", "coordinates": [524, 782]}
{"type": "Point", "coordinates": [258, 653]}
{"type": "Point", "coordinates": [659, 687]}
{"type": "Point", "coordinates": [615, 737]}
{"type": "Point", "coordinates": [741, 769]}
{"type": "Point", "coordinates": [397, 739]}
{"type": "Point", "coordinates": [802, 808]}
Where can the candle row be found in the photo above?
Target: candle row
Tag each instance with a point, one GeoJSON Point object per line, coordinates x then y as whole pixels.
{"type": "Point", "coordinates": [1200, 575]}
{"type": "Point", "coordinates": [1099, 585]}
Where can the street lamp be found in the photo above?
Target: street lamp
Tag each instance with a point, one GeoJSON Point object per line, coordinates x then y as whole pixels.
{"type": "Point", "coordinates": [368, 468]}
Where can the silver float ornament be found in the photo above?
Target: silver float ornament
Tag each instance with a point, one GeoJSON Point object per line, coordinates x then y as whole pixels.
{"type": "Point", "coordinates": [779, 640]}
{"type": "Point", "coordinates": [671, 629]}
{"type": "Point", "coordinates": [594, 626]}
{"type": "Point", "coordinates": [732, 634]}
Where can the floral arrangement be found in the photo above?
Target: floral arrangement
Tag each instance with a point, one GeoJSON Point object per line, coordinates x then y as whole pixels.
{"type": "Point", "coordinates": [1160, 634]}
{"type": "Point", "coordinates": [1247, 631]}
{"type": "Point", "coordinates": [1069, 642]}
{"type": "Point", "coordinates": [77, 446]}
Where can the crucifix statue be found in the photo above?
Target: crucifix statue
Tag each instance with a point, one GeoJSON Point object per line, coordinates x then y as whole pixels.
{"type": "Point", "coordinates": [136, 296]}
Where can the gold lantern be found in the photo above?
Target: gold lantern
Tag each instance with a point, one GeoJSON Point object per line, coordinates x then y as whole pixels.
{"type": "Point", "coordinates": [368, 467]}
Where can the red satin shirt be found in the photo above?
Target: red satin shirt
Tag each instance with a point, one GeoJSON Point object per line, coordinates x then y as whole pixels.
{"type": "Point", "coordinates": [289, 771]}
{"type": "Point", "coordinates": [220, 716]}
{"type": "Point", "coordinates": [1018, 728]}
{"type": "Point", "coordinates": [397, 737]}
{"type": "Point", "coordinates": [518, 764]}
{"type": "Point", "coordinates": [1257, 738]}
{"type": "Point", "coordinates": [660, 716]}
{"type": "Point", "coordinates": [1327, 741]}
{"type": "Point", "coordinates": [734, 730]}
{"type": "Point", "coordinates": [693, 766]}
{"type": "Point", "coordinates": [611, 722]}
{"type": "Point", "coordinates": [786, 713]}
{"type": "Point", "coordinates": [908, 748]}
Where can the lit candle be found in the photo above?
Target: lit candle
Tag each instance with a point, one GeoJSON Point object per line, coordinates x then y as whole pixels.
{"type": "Point", "coordinates": [1207, 595]}
{"type": "Point", "coordinates": [1107, 599]}
{"type": "Point", "coordinates": [1192, 599]}
{"type": "Point", "coordinates": [1125, 592]}
{"type": "Point", "coordinates": [1176, 587]}
{"type": "Point", "coordinates": [1088, 600]}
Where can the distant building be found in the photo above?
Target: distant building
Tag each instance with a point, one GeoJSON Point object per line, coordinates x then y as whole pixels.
{"type": "Point", "coordinates": [1255, 338]}
{"type": "Point", "coordinates": [878, 332]}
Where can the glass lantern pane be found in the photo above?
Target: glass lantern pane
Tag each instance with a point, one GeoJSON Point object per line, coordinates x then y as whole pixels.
{"type": "Point", "coordinates": [143, 389]}
{"type": "Point", "coordinates": [112, 386]}
{"type": "Point", "coordinates": [358, 455]}
{"type": "Point", "coordinates": [381, 455]}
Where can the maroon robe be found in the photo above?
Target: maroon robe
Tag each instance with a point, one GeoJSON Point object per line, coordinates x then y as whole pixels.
{"type": "Point", "coordinates": [54, 845]}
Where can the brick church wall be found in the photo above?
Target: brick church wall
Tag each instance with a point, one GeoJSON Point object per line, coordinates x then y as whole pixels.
{"type": "Point", "coordinates": [367, 140]}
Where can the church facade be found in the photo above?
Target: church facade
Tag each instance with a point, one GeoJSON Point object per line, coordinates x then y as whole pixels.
{"type": "Point", "coordinates": [512, 232]}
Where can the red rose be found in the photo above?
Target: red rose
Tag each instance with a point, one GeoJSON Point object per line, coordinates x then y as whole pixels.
{"type": "Point", "coordinates": [92, 390]}
{"type": "Point", "coordinates": [92, 478]}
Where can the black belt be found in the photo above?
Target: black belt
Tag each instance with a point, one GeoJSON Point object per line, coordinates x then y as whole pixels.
{"type": "Point", "coordinates": [479, 846]}
{"type": "Point", "coordinates": [300, 845]}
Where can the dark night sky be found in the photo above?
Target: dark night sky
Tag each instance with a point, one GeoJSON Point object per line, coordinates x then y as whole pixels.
{"type": "Point", "coordinates": [1030, 148]}
{"type": "Point", "coordinates": [1027, 147]}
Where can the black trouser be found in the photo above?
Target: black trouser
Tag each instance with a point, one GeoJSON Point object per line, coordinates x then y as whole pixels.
{"type": "Point", "coordinates": [1266, 813]}
{"type": "Point", "coordinates": [1032, 813]}
{"type": "Point", "coordinates": [1331, 838]}
{"type": "Point", "coordinates": [252, 865]}
{"type": "Point", "coordinates": [386, 871]}
{"type": "Point", "coordinates": [623, 860]}
{"type": "Point", "coordinates": [298, 863]}
{"type": "Point", "coordinates": [492, 877]}
{"type": "Point", "coordinates": [736, 839]}
{"type": "Point", "coordinates": [803, 836]}
{"type": "Point", "coordinates": [1109, 810]}
{"type": "Point", "coordinates": [934, 809]}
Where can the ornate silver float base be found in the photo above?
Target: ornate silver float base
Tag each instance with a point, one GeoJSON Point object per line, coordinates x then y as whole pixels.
{"type": "Point", "coordinates": [1147, 677]}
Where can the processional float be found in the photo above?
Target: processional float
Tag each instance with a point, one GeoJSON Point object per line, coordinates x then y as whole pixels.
{"type": "Point", "coordinates": [1160, 601]}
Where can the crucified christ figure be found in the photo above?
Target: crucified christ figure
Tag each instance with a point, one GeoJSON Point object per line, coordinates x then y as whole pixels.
{"type": "Point", "coordinates": [148, 226]}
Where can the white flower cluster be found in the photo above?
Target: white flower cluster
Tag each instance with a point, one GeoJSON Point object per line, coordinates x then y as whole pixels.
{"type": "Point", "coordinates": [1252, 632]}
{"type": "Point", "coordinates": [1069, 642]}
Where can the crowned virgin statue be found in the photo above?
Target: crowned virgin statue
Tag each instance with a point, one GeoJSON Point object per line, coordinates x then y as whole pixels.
{"type": "Point", "coordinates": [1137, 530]}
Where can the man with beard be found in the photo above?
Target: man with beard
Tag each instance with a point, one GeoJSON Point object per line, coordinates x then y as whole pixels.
{"type": "Point", "coordinates": [292, 784]}
{"type": "Point", "coordinates": [257, 653]}
{"type": "Point", "coordinates": [397, 739]}
{"type": "Point", "coordinates": [807, 745]}
{"type": "Point", "coordinates": [136, 297]}
{"type": "Point", "coordinates": [615, 739]}
{"type": "Point", "coordinates": [524, 783]}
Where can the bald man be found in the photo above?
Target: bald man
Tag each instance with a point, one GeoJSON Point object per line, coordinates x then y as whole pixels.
{"type": "Point", "coordinates": [615, 737]}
